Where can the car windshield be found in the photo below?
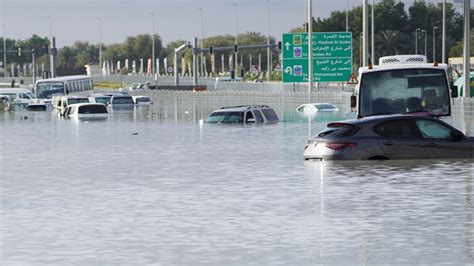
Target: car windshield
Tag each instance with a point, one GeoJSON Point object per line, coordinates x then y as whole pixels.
{"type": "Point", "coordinates": [226, 117]}
{"type": "Point", "coordinates": [325, 106]}
{"type": "Point", "coordinates": [92, 109]}
{"type": "Point", "coordinates": [143, 100]}
{"type": "Point", "coordinates": [404, 90]}
{"type": "Point", "coordinates": [103, 100]}
{"type": "Point", "coordinates": [78, 100]}
{"type": "Point", "coordinates": [122, 100]}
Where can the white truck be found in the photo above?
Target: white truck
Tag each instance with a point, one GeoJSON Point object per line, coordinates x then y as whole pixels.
{"type": "Point", "coordinates": [403, 84]}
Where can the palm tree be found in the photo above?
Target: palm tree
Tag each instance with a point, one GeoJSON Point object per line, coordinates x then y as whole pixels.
{"type": "Point", "coordinates": [388, 43]}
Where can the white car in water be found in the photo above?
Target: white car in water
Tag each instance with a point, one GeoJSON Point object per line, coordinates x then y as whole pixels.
{"type": "Point", "coordinates": [244, 114]}
{"type": "Point", "coordinates": [87, 111]}
{"type": "Point", "coordinates": [317, 107]}
{"type": "Point", "coordinates": [142, 100]}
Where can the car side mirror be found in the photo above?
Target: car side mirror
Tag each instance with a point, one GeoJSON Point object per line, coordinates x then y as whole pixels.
{"type": "Point", "coordinates": [353, 101]}
{"type": "Point", "coordinates": [250, 121]}
{"type": "Point", "coordinates": [457, 135]}
{"type": "Point", "coordinates": [454, 91]}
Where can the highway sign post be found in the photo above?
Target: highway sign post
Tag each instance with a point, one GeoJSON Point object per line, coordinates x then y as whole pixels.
{"type": "Point", "coordinates": [332, 57]}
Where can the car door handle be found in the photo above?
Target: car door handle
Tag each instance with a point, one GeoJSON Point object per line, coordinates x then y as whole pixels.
{"type": "Point", "coordinates": [388, 143]}
{"type": "Point", "coordinates": [431, 145]}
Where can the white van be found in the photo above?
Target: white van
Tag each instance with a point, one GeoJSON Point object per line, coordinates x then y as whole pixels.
{"type": "Point", "coordinates": [60, 103]}
{"type": "Point", "coordinates": [18, 96]}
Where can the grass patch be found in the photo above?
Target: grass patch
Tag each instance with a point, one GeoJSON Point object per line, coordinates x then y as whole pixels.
{"type": "Point", "coordinates": [108, 85]}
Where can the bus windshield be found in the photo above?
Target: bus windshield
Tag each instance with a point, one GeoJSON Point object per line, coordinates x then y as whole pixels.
{"type": "Point", "coordinates": [48, 89]}
{"type": "Point", "coordinates": [404, 91]}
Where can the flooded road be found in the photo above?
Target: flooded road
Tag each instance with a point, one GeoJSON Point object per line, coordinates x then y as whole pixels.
{"type": "Point", "coordinates": [142, 189]}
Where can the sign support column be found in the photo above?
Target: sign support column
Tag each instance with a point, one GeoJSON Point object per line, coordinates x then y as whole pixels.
{"type": "Point", "coordinates": [310, 58]}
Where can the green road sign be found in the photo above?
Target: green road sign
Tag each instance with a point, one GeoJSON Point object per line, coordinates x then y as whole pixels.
{"type": "Point", "coordinates": [332, 57]}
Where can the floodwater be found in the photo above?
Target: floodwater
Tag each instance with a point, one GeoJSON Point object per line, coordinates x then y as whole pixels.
{"type": "Point", "coordinates": [142, 189]}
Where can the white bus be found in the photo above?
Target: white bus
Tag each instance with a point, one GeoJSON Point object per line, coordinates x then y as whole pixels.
{"type": "Point", "coordinates": [46, 88]}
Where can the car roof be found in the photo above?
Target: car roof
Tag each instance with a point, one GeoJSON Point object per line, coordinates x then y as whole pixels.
{"type": "Point", "coordinates": [241, 108]}
{"type": "Point", "coordinates": [380, 118]}
{"type": "Point", "coordinates": [82, 104]}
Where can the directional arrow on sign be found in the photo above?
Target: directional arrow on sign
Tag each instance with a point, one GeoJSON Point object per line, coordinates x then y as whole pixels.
{"type": "Point", "coordinates": [287, 44]}
{"type": "Point", "coordinates": [289, 70]}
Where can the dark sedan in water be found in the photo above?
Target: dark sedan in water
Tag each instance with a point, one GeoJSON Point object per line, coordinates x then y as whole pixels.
{"type": "Point", "coordinates": [389, 137]}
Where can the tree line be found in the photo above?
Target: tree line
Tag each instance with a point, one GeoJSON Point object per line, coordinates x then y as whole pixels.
{"type": "Point", "coordinates": [395, 28]}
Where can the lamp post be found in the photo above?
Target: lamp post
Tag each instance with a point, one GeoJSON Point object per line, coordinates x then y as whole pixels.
{"type": "Point", "coordinates": [4, 52]}
{"type": "Point", "coordinates": [372, 45]}
{"type": "Point", "coordinates": [100, 44]}
{"type": "Point", "coordinates": [236, 33]}
{"type": "Point", "coordinates": [443, 45]}
{"type": "Point", "coordinates": [269, 55]}
{"type": "Point", "coordinates": [202, 40]}
{"type": "Point", "coordinates": [347, 15]}
{"type": "Point", "coordinates": [416, 40]}
{"type": "Point", "coordinates": [434, 43]}
{"type": "Point", "coordinates": [424, 32]}
{"type": "Point", "coordinates": [153, 46]}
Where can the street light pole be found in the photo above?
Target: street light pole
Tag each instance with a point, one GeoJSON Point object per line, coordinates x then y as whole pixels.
{"type": "Point", "coordinates": [269, 55]}
{"type": "Point", "coordinates": [4, 53]}
{"type": "Point", "coordinates": [202, 41]}
{"type": "Point", "coordinates": [372, 45]}
{"type": "Point", "coordinates": [424, 32]}
{"type": "Point", "coordinates": [153, 46]}
{"type": "Point", "coordinates": [236, 34]}
{"type": "Point", "coordinates": [100, 44]}
{"type": "Point", "coordinates": [347, 15]}
{"type": "Point", "coordinates": [466, 49]}
{"type": "Point", "coordinates": [443, 46]}
{"type": "Point", "coordinates": [50, 28]}
{"type": "Point", "coordinates": [416, 40]}
{"type": "Point", "coordinates": [434, 43]}
{"type": "Point", "coordinates": [365, 30]}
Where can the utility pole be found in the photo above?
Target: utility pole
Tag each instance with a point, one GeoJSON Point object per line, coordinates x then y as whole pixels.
{"type": "Point", "coordinates": [202, 41]}
{"type": "Point", "coordinates": [4, 53]}
{"type": "Point", "coordinates": [153, 46]}
{"type": "Point", "coordinates": [372, 45]}
{"type": "Point", "coordinates": [100, 44]}
{"type": "Point", "coordinates": [269, 54]}
{"type": "Point", "coordinates": [466, 50]}
{"type": "Point", "coordinates": [365, 30]}
{"type": "Point", "coordinates": [443, 46]}
{"type": "Point", "coordinates": [434, 43]}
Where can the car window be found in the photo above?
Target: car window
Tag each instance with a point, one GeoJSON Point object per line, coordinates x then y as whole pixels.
{"type": "Point", "coordinates": [248, 115]}
{"type": "Point", "coordinates": [258, 116]}
{"type": "Point", "coordinates": [23, 96]}
{"type": "Point", "coordinates": [433, 130]}
{"type": "Point", "coordinates": [395, 129]}
{"type": "Point", "coordinates": [270, 115]}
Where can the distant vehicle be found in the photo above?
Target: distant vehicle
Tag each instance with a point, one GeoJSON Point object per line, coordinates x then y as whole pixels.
{"type": "Point", "coordinates": [86, 111]}
{"type": "Point", "coordinates": [403, 84]}
{"type": "Point", "coordinates": [460, 84]}
{"type": "Point", "coordinates": [60, 103]}
{"type": "Point", "coordinates": [389, 137]}
{"type": "Point", "coordinates": [142, 100]}
{"type": "Point", "coordinates": [99, 98]}
{"type": "Point", "coordinates": [18, 96]}
{"type": "Point", "coordinates": [47, 88]}
{"type": "Point", "coordinates": [122, 101]}
{"type": "Point", "coordinates": [317, 107]}
{"type": "Point", "coordinates": [245, 114]}
{"type": "Point", "coordinates": [220, 80]}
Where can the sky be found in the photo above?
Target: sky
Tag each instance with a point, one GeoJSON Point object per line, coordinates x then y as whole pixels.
{"type": "Point", "coordinates": [73, 20]}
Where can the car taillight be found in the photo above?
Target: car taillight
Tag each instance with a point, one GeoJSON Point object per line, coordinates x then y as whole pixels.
{"type": "Point", "coordinates": [340, 145]}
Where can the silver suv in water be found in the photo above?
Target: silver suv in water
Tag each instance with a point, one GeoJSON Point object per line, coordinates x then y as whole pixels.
{"type": "Point", "coordinates": [389, 137]}
{"type": "Point", "coordinates": [243, 114]}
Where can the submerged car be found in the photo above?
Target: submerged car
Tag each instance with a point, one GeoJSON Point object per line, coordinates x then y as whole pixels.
{"type": "Point", "coordinates": [243, 114]}
{"type": "Point", "coordinates": [142, 100]}
{"type": "Point", "coordinates": [87, 111]}
{"type": "Point", "coordinates": [389, 137]}
{"type": "Point", "coordinates": [317, 107]}
{"type": "Point", "coordinates": [122, 101]}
